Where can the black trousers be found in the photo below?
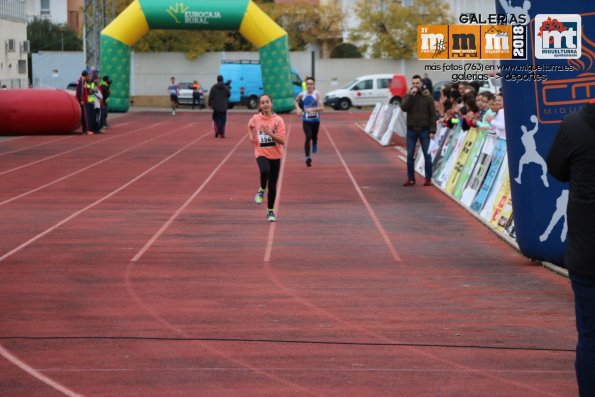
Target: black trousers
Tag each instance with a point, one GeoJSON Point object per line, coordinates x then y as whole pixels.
{"type": "Point", "coordinates": [84, 118]}
{"type": "Point", "coordinates": [269, 174]}
{"type": "Point", "coordinates": [311, 131]}
{"type": "Point", "coordinates": [219, 118]}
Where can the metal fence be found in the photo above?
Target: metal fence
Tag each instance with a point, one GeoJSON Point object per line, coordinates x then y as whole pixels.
{"type": "Point", "coordinates": [13, 10]}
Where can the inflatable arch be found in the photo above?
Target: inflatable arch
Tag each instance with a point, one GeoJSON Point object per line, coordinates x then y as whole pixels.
{"type": "Point", "coordinates": [242, 15]}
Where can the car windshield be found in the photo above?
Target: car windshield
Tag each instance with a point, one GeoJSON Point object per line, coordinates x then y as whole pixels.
{"type": "Point", "coordinates": [348, 86]}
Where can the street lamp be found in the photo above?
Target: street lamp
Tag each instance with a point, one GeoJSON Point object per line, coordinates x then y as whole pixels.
{"type": "Point", "coordinates": [62, 36]}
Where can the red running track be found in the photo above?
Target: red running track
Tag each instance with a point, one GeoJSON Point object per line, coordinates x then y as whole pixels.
{"type": "Point", "coordinates": [136, 263]}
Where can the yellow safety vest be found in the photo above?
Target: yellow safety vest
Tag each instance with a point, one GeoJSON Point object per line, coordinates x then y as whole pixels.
{"type": "Point", "coordinates": [90, 94]}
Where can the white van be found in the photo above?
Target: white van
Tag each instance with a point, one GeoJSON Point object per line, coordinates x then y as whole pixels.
{"type": "Point", "coordinates": [368, 90]}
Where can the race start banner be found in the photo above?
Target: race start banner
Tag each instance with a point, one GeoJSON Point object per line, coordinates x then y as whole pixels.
{"type": "Point", "coordinates": [557, 79]}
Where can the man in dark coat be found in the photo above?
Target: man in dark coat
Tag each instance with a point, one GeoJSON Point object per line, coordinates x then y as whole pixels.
{"type": "Point", "coordinates": [572, 159]}
{"type": "Point", "coordinates": [421, 125]}
{"type": "Point", "coordinates": [219, 101]}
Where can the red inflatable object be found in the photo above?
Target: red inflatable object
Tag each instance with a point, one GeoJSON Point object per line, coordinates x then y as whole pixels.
{"type": "Point", "coordinates": [38, 112]}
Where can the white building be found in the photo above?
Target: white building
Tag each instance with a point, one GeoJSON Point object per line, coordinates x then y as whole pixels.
{"type": "Point", "coordinates": [14, 46]}
{"type": "Point", "coordinates": [54, 10]}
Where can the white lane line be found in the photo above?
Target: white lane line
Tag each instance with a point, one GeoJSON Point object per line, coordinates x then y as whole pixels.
{"type": "Point", "coordinates": [51, 141]}
{"type": "Point", "coordinates": [99, 201]}
{"type": "Point", "coordinates": [37, 145]}
{"type": "Point", "coordinates": [269, 247]}
{"type": "Point", "coordinates": [183, 206]}
{"type": "Point", "coordinates": [379, 226]}
{"type": "Point", "coordinates": [77, 148]}
{"type": "Point", "coordinates": [91, 166]}
{"type": "Point", "coordinates": [36, 374]}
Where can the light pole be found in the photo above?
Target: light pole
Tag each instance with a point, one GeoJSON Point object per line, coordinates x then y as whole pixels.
{"type": "Point", "coordinates": [62, 37]}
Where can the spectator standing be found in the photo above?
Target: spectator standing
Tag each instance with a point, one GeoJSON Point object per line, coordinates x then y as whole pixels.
{"type": "Point", "coordinates": [421, 125]}
{"type": "Point", "coordinates": [196, 94]}
{"type": "Point", "coordinates": [106, 89]}
{"type": "Point", "coordinates": [572, 159]}
{"type": "Point", "coordinates": [427, 83]}
{"type": "Point", "coordinates": [497, 122]}
{"type": "Point", "coordinates": [219, 102]}
{"type": "Point", "coordinates": [90, 105]}
{"type": "Point", "coordinates": [82, 98]}
{"type": "Point", "coordinates": [98, 106]}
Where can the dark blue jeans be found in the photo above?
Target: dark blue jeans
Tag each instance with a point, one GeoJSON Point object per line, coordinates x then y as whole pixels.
{"type": "Point", "coordinates": [584, 305]}
{"type": "Point", "coordinates": [219, 118]}
{"type": "Point", "coordinates": [424, 138]}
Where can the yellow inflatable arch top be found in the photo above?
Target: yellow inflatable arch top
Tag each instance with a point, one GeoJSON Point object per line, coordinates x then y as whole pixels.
{"type": "Point", "coordinates": [243, 15]}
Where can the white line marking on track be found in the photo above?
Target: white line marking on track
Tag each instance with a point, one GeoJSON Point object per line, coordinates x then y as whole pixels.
{"type": "Point", "coordinates": [91, 166]}
{"type": "Point", "coordinates": [379, 226]}
{"type": "Point", "coordinates": [379, 336]}
{"type": "Point", "coordinates": [37, 145]}
{"type": "Point", "coordinates": [48, 142]}
{"type": "Point", "coordinates": [271, 238]}
{"type": "Point", "coordinates": [77, 213]}
{"type": "Point", "coordinates": [183, 206]}
{"type": "Point", "coordinates": [76, 148]}
{"type": "Point", "coordinates": [36, 374]}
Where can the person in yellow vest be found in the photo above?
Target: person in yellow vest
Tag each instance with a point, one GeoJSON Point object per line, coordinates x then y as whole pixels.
{"type": "Point", "coordinates": [90, 106]}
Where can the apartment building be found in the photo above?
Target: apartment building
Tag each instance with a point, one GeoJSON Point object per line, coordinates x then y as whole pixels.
{"type": "Point", "coordinates": [62, 12]}
{"type": "Point", "coordinates": [14, 46]}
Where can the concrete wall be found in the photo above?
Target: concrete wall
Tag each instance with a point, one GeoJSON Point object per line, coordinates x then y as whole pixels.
{"type": "Point", "coordinates": [56, 69]}
{"type": "Point", "coordinates": [150, 72]}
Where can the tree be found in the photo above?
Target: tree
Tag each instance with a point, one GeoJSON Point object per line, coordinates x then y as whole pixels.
{"type": "Point", "coordinates": [44, 35]}
{"type": "Point", "coordinates": [345, 50]}
{"type": "Point", "coordinates": [389, 28]}
{"type": "Point", "coordinates": [306, 23]}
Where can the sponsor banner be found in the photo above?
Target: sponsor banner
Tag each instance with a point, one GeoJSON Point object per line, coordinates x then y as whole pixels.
{"type": "Point", "coordinates": [471, 42]}
{"type": "Point", "coordinates": [562, 51]}
{"type": "Point", "coordinates": [206, 14]}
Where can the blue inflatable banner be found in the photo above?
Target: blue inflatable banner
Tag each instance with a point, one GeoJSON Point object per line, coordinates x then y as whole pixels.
{"type": "Point", "coordinates": [556, 79]}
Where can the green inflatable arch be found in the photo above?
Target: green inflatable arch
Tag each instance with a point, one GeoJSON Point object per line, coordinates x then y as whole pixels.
{"type": "Point", "coordinates": [242, 15]}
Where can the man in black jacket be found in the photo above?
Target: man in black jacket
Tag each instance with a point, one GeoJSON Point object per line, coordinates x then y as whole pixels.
{"type": "Point", "coordinates": [421, 125]}
{"type": "Point", "coordinates": [219, 101]}
{"type": "Point", "coordinates": [572, 159]}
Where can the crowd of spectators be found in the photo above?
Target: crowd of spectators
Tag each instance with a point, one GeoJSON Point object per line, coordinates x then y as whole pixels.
{"type": "Point", "coordinates": [462, 103]}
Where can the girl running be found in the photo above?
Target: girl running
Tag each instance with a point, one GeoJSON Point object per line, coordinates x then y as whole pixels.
{"type": "Point", "coordinates": [267, 131]}
{"type": "Point", "coordinates": [313, 105]}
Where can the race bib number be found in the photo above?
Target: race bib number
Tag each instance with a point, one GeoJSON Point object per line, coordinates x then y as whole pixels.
{"type": "Point", "coordinates": [311, 115]}
{"type": "Point", "coordinates": [265, 140]}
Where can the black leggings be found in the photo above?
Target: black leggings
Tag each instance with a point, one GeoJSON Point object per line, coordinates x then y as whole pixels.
{"type": "Point", "coordinates": [269, 173]}
{"type": "Point", "coordinates": [311, 131]}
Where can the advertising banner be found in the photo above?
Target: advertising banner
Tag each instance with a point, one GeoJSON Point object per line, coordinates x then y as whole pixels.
{"type": "Point", "coordinates": [557, 78]}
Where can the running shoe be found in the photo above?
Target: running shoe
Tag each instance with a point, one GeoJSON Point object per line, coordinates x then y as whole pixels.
{"type": "Point", "coordinates": [308, 162]}
{"type": "Point", "coordinates": [259, 196]}
{"type": "Point", "coordinates": [314, 147]}
{"type": "Point", "coordinates": [271, 216]}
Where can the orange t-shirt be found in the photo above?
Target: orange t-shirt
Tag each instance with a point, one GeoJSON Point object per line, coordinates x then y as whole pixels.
{"type": "Point", "coordinates": [265, 145]}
